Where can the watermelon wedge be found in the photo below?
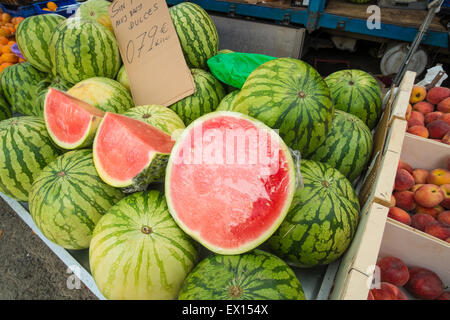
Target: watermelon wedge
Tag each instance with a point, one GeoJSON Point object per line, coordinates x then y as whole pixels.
{"type": "Point", "coordinates": [71, 123]}
{"type": "Point", "coordinates": [129, 153]}
{"type": "Point", "coordinates": [229, 182]}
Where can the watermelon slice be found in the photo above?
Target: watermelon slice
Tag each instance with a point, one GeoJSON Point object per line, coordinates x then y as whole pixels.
{"type": "Point", "coordinates": [71, 123]}
{"type": "Point", "coordinates": [229, 182]}
{"type": "Point", "coordinates": [130, 153]}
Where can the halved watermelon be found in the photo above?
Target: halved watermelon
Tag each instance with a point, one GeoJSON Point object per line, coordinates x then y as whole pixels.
{"type": "Point", "coordinates": [229, 182]}
{"type": "Point", "coordinates": [130, 153]}
{"type": "Point", "coordinates": [71, 123]}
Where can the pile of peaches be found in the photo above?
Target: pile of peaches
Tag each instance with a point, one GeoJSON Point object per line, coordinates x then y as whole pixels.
{"type": "Point", "coordinates": [421, 199]}
{"type": "Point", "coordinates": [419, 282]}
{"type": "Point", "coordinates": [428, 113]}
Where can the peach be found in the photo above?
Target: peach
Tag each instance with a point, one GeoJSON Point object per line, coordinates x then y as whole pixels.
{"type": "Point", "coordinates": [437, 129]}
{"type": "Point", "coordinates": [446, 139]}
{"type": "Point", "coordinates": [444, 105]}
{"type": "Point", "coordinates": [392, 201]}
{"type": "Point", "coordinates": [444, 218]}
{"type": "Point", "coordinates": [420, 176]}
{"type": "Point", "coordinates": [420, 131]}
{"type": "Point", "coordinates": [415, 115]}
{"type": "Point", "coordinates": [446, 190]}
{"type": "Point", "coordinates": [418, 94]}
{"type": "Point", "coordinates": [424, 284]}
{"type": "Point", "coordinates": [420, 221]}
{"type": "Point", "coordinates": [446, 117]}
{"type": "Point", "coordinates": [434, 212]}
{"type": "Point", "coordinates": [444, 296]}
{"type": "Point", "coordinates": [439, 177]}
{"type": "Point", "coordinates": [403, 180]}
{"type": "Point", "coordinates": [417, 186]}
{"type": "Point", "coordinates": [408, 112]}
{"type": "Point", "coordinates": [393, 270]}
{"type": "Point", "coordinates": [432, 116]}
{"type": "Point", "coordinates": [423, 107]}
{"type": "Point", "coordinates": [405, 200]}
{"type": "Point", "coordinates": [438, 230]}
{"type": "Point", "coordinates": [388, 291]}
{"type": "Point", "coordinates": [437, 94]}
{"type": "Point", "coordinates": [428, 195]}
{"type": "Point", "coordinates": [404, 165]}
{"type": "Point", "coordinates": [414, 123]}
{"type": "Point", "coordinates": [399, 215]}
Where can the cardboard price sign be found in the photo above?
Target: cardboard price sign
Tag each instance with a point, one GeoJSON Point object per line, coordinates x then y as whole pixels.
{"type": "Point", "coordinates": [151, 52]}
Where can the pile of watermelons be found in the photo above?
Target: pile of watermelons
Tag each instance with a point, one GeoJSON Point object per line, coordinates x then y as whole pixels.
{"type": "Point", "coordinates": [221, 209]}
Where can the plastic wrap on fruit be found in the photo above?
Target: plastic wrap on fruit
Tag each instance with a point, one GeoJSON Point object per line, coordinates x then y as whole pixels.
{"type": "Point", "coordinates": [297, 157]}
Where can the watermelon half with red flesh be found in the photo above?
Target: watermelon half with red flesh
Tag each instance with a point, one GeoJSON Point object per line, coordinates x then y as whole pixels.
{"type": "Point", "coordinates": [71, 123]}
{"type": "Point", "coordinates": [229, 182]}
{"type": "Point", "coordinates": [129, 153]}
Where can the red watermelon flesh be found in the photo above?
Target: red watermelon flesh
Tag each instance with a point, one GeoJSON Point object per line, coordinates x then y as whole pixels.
{"type": "Point", "coordinates": [229, 206]}
{"type": "Point", "coordinates": [71, 123]}
{"type": "Point", "coordinates": [130, 153]}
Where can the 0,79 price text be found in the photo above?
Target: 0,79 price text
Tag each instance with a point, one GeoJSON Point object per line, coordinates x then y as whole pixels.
{"type": "Point", "coordinates": [146, 42]}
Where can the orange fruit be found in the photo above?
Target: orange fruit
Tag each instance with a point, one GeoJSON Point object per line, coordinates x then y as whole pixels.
{"type": "Point", "coordinates": [4, 31]}
{"type": "Point", "coordinates": [6, 64]}
{"type": "Point", "coordinates": [6, 17]}
{"type": "Point", "coordinates": [19, 20]}
{"type": "Point", "coordinates": [6, 49]}
{"type": "Point", "coordinates": [46, 9]}
{"type": "Point", "coordinates": [22, 60]}
{"type": "Point", "coordinates": [52, 6]}
{"type": "Point", "coordinates": [11, 43]}
{"type": "Point", "coordinates": [3, 40]}
{"type": "Point", "coordinates": [9, 57]}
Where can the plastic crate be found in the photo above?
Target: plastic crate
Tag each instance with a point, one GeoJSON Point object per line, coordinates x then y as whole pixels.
{"type": "Point", "coordinates": [65, 8]}
{"type": "Point", "coordinates": [17, 3]}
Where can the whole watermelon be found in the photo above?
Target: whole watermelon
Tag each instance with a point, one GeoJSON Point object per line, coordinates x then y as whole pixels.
{"type": "Point", "coordinates": [289, 95]}
{"type": "Point", "coordinates": [139, 252]}
{"type": "Point", "coordinates": [227, 102]}
{"type": "Point", "coordinates": [68, 198]}
{"type": "Point", "coordinates": [122, 78]}
{"type": "Point", "coordinates": [322, 219]}
{"type": "Point", "coordinates": [157, 116]}
{"type": "Point", "coordinates": [103, 93]}
{"type": "Point", "coordinates": [42, 89]}
{"type": "Point", "coordinates": [82, 49]}
{"type": "Point", "coordinates": [256, 275]}
{"type": "Point", "coordinates": [358, 93]}
{"type": "Point", "coordinates": [208, 94]}
{"type": "Point", "coordinates": [5, 108]}
{"type": "Point", "coordinates": [348, 147]}
{"type": "Point", "coordinates": [96, 10]}
{"type": "Point", "coordinates": [33, 39]}
{"type": "Point", "coordinates": [197, 33]}
{"type": "Point", "coordinates": [26, 150]}
{"type": "Point", "coordinates": [19, 83]}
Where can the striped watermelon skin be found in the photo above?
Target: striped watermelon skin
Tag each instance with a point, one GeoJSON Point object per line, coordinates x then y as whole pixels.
{"type": "Point", "coordinates": [322, 220]}
{"type": "Point", "coordinates": [256, 275]}
{"type": "Point", "coordinates": [122, 78]}
{"type": "Point", "coordinates": [26, 150]}
{"type": "Point", "coordinates": [289, 95]}
{"type": "Point", "coordinates": [68, 198]}
{"type": "Point", "coordinates": [19, 83]}
{"type": "Point", "coordinates": [358, 93]}
{"type": "Point", "coordinates": [81, 49]}
{"type": "Point", "coordinates": [42, 90]}
{"type": "Point", "coordinates": [197, 33]}
{"type": "Point", "coordinates": [208, 94]}
{"type": "Point", "coordinates": [227, 102]}
{"type": "Point", "coordinates": [160, 117]}
{"type": "Point", "coordinates": [139, 252]}
{"type": "Point", "coordinates": [97, 11]}
{"type": "Point", "coordinates": [33, 39]}
{"type": "Point", "coordinates": [5, 108]}
{"type": "Point", "coordinates": [103, 93]}
{"type": "Point", "coordinates": [348, 147]}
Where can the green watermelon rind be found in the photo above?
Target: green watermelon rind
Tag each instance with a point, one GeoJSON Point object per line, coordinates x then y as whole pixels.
{"type": "Point", "coordinates": [161, 260]}
{"type": "Point", "coordinates": [256, 275]}
{"type": "Point", "coordinates": [291, 172]}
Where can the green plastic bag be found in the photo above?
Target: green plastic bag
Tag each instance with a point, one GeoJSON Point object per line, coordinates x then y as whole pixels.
{"type": "Point", "coordinates": [234, 68]}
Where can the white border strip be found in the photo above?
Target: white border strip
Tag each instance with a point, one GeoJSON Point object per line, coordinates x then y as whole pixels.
{"type": "Point", "coordinates": [62, 254]}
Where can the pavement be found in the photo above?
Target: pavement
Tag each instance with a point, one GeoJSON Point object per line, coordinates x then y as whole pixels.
{"type": "Point", "coordinates": [29, 270]}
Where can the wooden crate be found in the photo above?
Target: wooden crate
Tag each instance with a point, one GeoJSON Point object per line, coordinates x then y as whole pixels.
{"type": "Point", "coordinates": [403, 95]}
